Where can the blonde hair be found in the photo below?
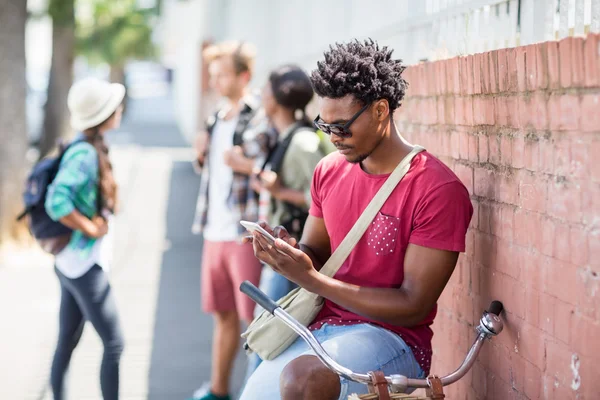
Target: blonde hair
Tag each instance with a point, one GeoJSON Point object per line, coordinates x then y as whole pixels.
{"type": "Point", "coordinates": [242, 54]}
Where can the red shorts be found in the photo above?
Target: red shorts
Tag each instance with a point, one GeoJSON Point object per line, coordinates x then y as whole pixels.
{"type": "Point", "coordinates": [225, 265]}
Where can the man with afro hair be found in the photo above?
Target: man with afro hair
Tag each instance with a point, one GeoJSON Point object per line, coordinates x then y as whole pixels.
{"type": "Point", "coordinates": [380, 305]}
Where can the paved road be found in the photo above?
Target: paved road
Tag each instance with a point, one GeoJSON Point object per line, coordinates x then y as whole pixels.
{"type": "Point", "coordinates": [156, 280]}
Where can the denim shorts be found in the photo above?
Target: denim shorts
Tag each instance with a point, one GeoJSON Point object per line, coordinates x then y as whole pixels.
{"type": "Point", "coordinates": [361, 348]}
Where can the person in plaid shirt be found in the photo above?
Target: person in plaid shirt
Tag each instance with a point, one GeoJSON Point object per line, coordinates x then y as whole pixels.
{"type": "Point", "coordinates": [227, 153]}
{"type": "Point", "coordinates": [83, 196]}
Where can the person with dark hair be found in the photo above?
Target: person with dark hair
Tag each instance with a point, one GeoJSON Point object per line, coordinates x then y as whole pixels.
{"type": "Point", "coordinates": [380, 304]}
{"type": "Point", "coordinates": [82, 197]}
{"type": "Point", "coordinates": [283, 181]}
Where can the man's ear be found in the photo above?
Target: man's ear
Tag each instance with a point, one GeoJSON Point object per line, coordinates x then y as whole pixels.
{"type": "Point", "coordinates": [382, 109]}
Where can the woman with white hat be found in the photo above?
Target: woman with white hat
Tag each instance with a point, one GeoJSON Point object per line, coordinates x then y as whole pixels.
{"type": "Point", "coordinates": [83, 196]}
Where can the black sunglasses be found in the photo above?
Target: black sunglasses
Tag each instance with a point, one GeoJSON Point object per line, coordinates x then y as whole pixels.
{"type": "Point", "coordinates": [340, 130]}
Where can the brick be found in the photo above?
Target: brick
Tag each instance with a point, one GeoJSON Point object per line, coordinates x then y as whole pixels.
{"type": "Point", "coordinates": [454, 74]}
{"type": "Point", "coordinates": [553, 65]}
{"type": "Point", "coordinates": [449, 111]}
{"type": "Point", "coordinates": [533, 381]}
{"type": "Point", "coordinates": [493, 71]}
{"type": "Point", "coordinates": [507, 223]}
{"type": "Point", "coordinates": [584, 335]}
{"type": "Point", "coordinates": [564, 112]}
{"type": "Point", "coordinates": [531, 155]}
{"type": "Point", "coordinates": [465, 174]}
{"type": "Point", "coordinates": [507, 189]}
{"type": "Point", "coordinates": [562, 156]}
{"type": "Point", "coordinates": [521, 69]}
{"type": "Point", "coordinates": [462, 62]}
{"type": "Point", "coordinates": [501, 108]}
{"type": "Point", "coordinates": [546, 316]}
{"type": "Point", "coordinates": [502, 64]}
{"type": "Point", "coordinates": [562, 281]}
{"type": "Point", "coordinates": [488, 107]}
{"type": "Point", "coordinates": [531, 67]}
{"type": "Point", "coordinates": [525, 224]}
{"type": "Point", "coordinates": [579, 243]}
{"type": "Point", "coordinates": [506, 150]}
{"type": "Point", "coordinates": [463, 145]}
{"type": "Point", "coordinates": [539, 111]}
{"type": "Point", "coordinates": [533, 192]}
{"type": "Point", "coordinates": [525, 114]}
{"type": "Point", "coordinates": [558, 363]}
{"type": "Point", "coordinates": [562, 245]}
{"type": "Point", "coordinates": [478, 111]}
{"type": "Point", "coordinates": [477, 61]}
{"type": "Point", "coordinates": [454, 145]}
{"type": "Point", "coordinates": [512, 106]}
{"type": "Point", "coordinates": [484, 183]}
{"type": "Point", "coordinates": [590, 113]}
{"type": "Point", "coordinates": [442, 83]}
{"type": "Point", "coordinates": [532, 306]}
{"type": "Point", "coordinates": [595, 167]}
{"type": "Point", "coordinates": [440, 109]}
{"type": "Point", "coordinates": [546, 161]}
{"type": "Point", "coordinates": [432, 78]}
{"type": "Point", "coordinates": [459, 111]}
{"type": "Point", "coordinates": [473, 148]}
{"type": "Point", "coordinates": [541, 66]}
{"type": "Point", "coordinates": [506, 264]}
{"type": "Point", "coordinates": [483, 148]}
{"type": "Point", "coordinates": [591, 54]}
{"type": "Point", "coordinates": [587, 299]}
{"type": "Point", "coordinates": [468, 105]}
{"type": "Point", "coordinates": [577, 62]}
{"type": "Point", "coordinates": [565, 60]}
{"type": "Point", "coordinates": [518, 151]}
{"type": "Point", "coordinates": [590, 206]}
{"type": "Point", "coordinates": [494, 144]}
{"type": "Point", "coordinates": [564, 201]}
{"type": "Point", "coordinates": [563, 316]}
{"type": "Point", "coordinates": [485, 218]}
{"type": "Point", "coordinates": [485, 74]}
{"type": "Point", "coordinates": [547, 237]}
{"type": "Point", "coordinates": [580, 162]}
{"type": "Point", "coordinates": [512, 75]}
{"type": "Point", "coordinates": [470, 73]}
{"type": "Point", "coordinates": [530, 345]}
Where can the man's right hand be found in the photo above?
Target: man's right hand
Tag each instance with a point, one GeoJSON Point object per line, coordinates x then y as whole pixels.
{"type": "Point", "coordinates": [200, 145]}
{"type": "Point", "coordinates": [277, 232]}
{"type": "Point", "coordinates": [100, 227]}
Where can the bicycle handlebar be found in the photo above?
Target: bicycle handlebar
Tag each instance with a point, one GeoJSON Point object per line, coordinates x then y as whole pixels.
{"type": "Point", "coordinates": [490, 325]}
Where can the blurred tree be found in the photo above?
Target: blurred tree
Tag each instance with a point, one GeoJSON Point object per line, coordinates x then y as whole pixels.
{"type": "Point", "coordinates": [56, 116]}
{"type": "Point", "coordinates": [119, 31]}
{"type": "Point", "coordinates": [13, 135]}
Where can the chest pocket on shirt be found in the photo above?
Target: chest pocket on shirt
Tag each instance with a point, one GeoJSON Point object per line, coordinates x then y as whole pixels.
{"type": "Point", "coordinates": [382, 234]}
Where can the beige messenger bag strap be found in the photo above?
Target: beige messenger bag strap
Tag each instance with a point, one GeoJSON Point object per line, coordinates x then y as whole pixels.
{"type": "Point", "coordinates": [341, 253]}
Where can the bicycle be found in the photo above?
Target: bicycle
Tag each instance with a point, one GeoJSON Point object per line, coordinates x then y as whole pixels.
{"type": "Point", "coordinates": [383, 387]}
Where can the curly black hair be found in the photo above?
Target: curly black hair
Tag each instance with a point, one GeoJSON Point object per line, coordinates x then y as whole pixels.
{"type": "Point", "coordinates": [361, 69]}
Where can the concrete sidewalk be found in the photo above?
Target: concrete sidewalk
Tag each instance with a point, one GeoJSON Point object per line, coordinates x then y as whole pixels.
{"type": "Point", "coordinates": [156, 279]}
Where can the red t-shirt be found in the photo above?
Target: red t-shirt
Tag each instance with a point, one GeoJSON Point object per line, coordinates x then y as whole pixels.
{"type": "Point", "coordinates": [430, 207]}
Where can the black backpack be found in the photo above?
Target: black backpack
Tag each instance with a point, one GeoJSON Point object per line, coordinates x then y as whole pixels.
{"type": "Point", "coordinates": [41, 176]}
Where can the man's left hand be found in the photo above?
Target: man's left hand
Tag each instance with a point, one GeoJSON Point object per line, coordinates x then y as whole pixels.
{"type": "Point", "coordinates": [288, 261]}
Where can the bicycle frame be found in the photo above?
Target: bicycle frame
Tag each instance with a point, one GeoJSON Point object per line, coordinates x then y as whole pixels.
{"type": "Point", "coordinates": [489, 326]}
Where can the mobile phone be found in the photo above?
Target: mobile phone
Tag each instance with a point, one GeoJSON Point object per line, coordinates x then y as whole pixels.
{"type": "Point", "coordinates": [254, 227]}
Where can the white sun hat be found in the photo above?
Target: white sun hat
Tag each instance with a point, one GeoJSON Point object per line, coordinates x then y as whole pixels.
{"type": "Point", "coordinates": [92, 101]}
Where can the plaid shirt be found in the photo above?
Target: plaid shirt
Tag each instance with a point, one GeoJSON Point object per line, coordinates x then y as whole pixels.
{"type": "Point", "coordinates": [75, 187]}
{"type": "Point", "coordinates": [242, 199]}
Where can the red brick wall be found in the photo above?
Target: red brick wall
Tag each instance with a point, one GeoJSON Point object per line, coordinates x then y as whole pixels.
{"type": "Point", "coordinates": [521, 128]}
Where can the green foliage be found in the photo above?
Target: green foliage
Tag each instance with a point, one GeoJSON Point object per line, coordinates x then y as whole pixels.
{"type": "Point", "coordinates": [117, 31]}
{"type": "Point", "coordinates": [62, 12]}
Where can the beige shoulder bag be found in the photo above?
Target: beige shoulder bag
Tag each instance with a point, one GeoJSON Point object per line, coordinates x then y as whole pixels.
{"type": "Point", "coordinates": [267, 335]}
